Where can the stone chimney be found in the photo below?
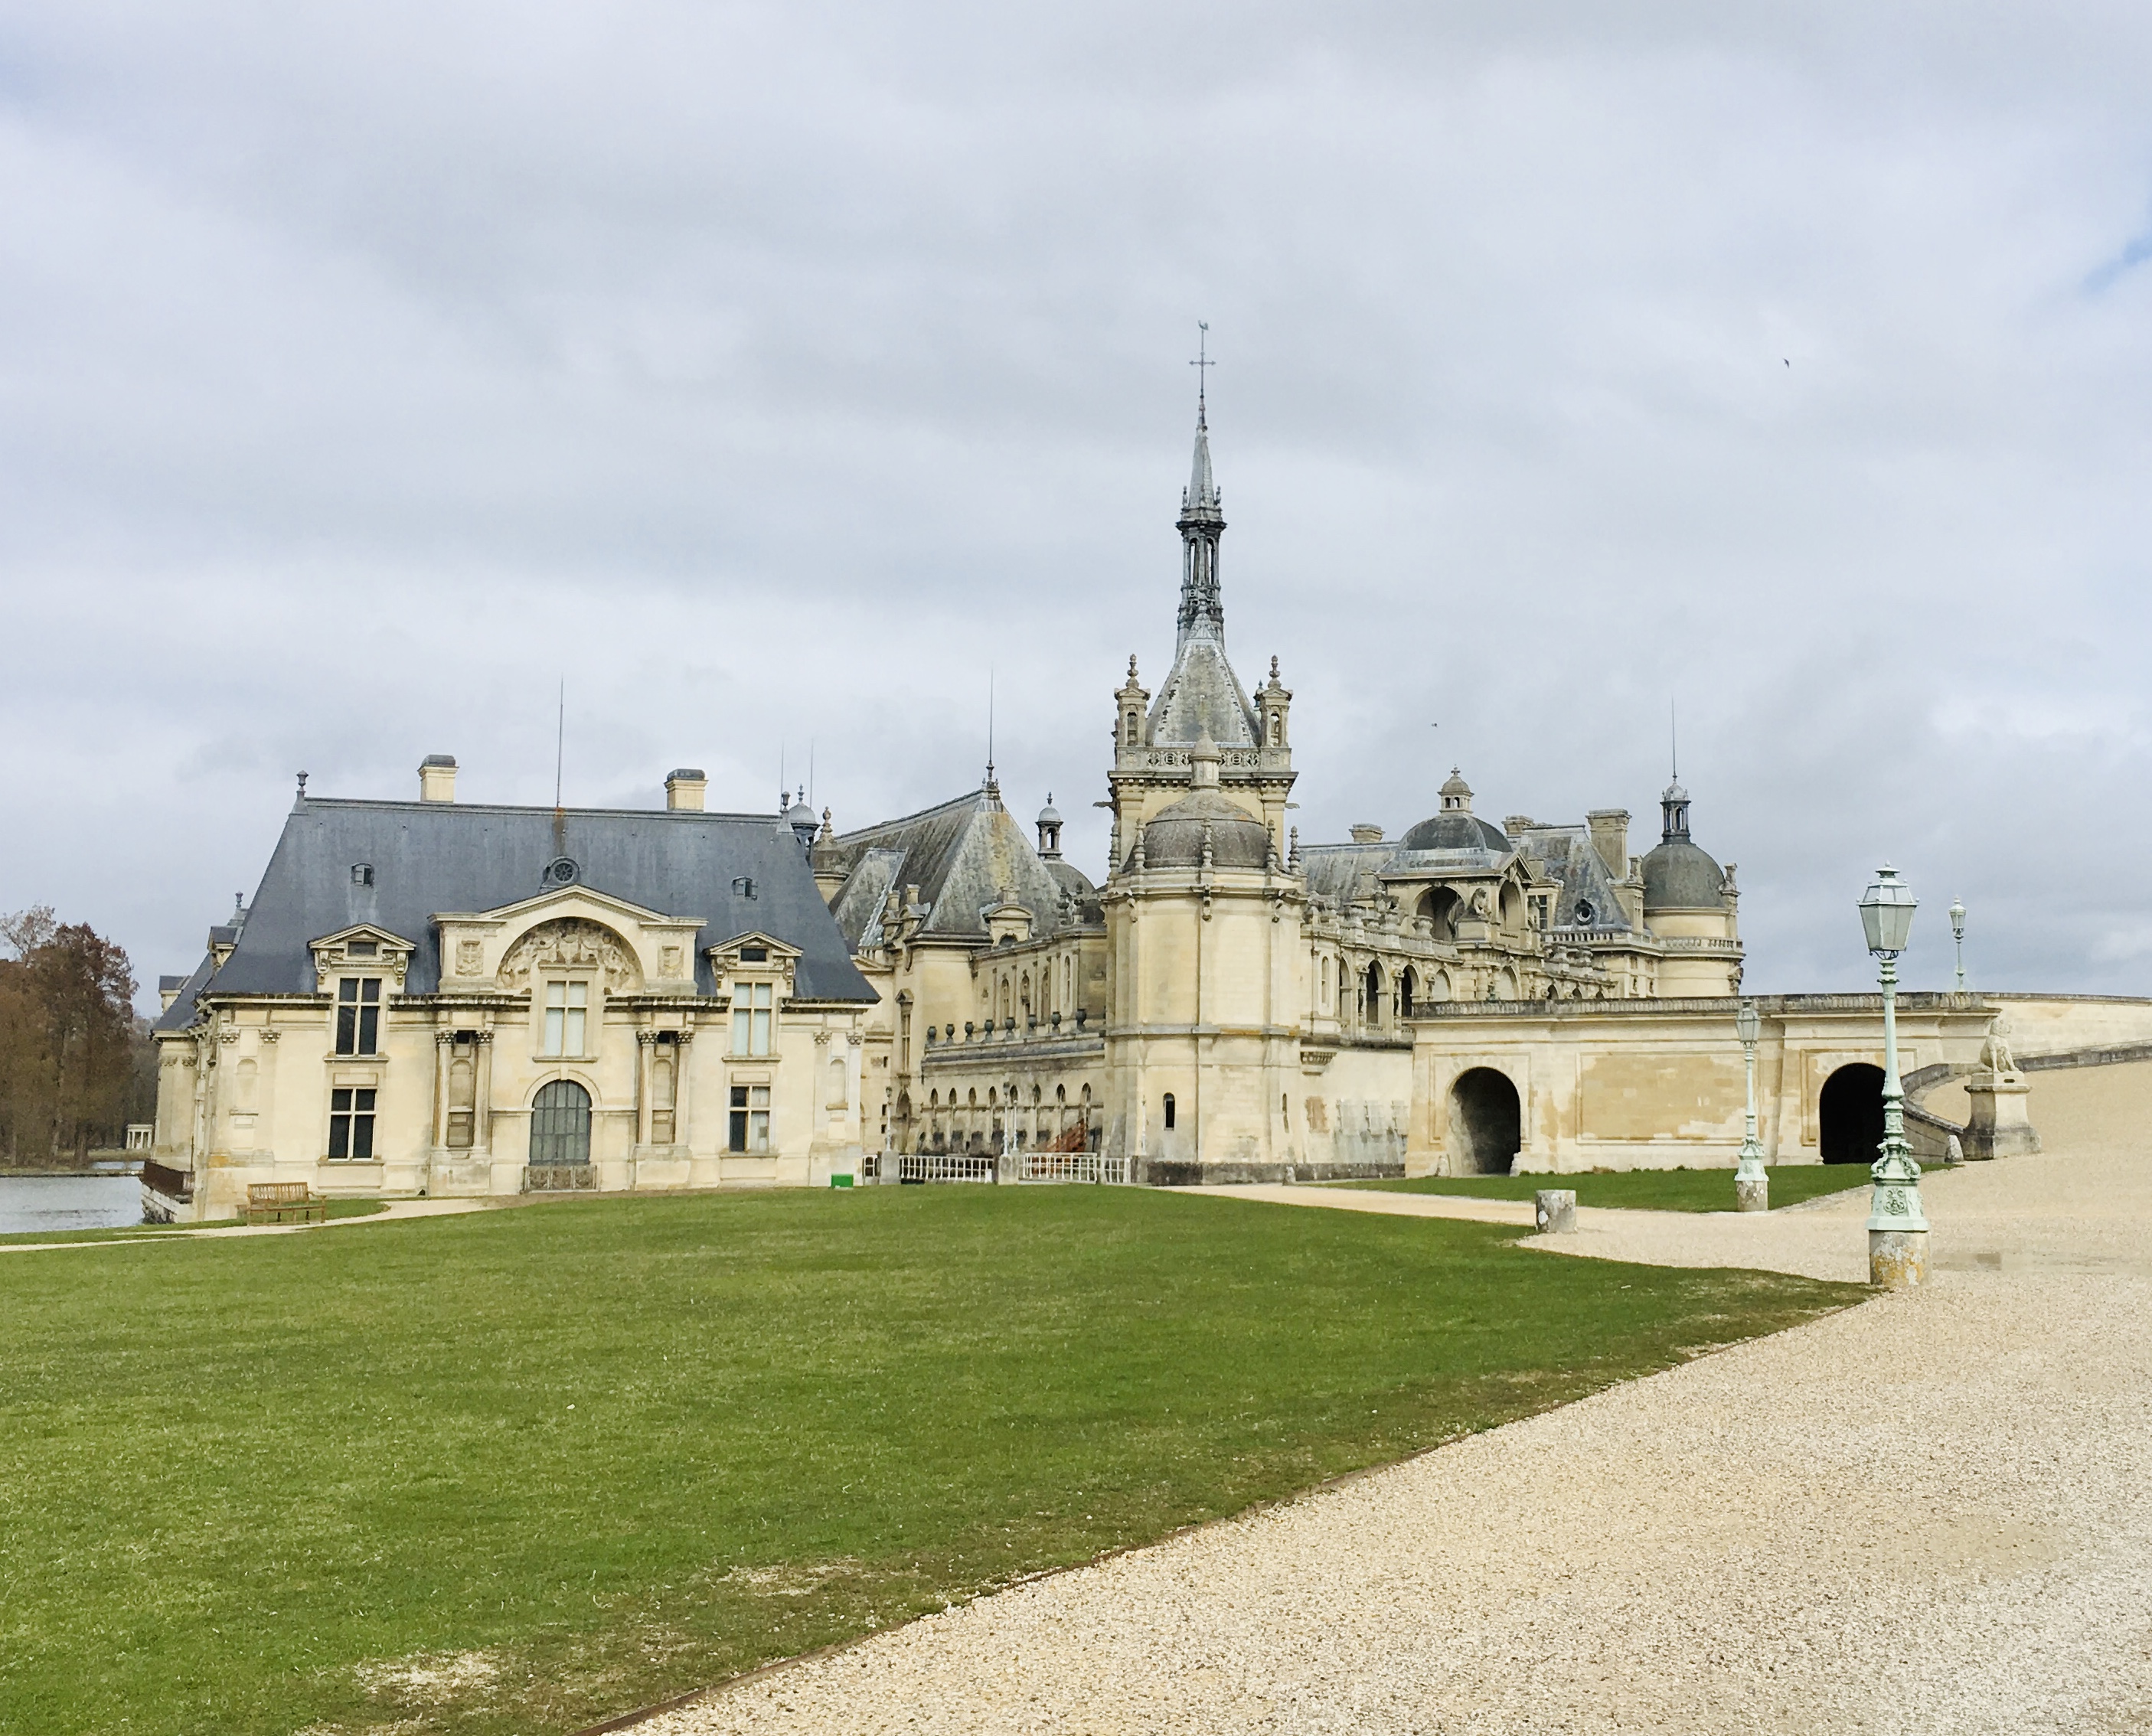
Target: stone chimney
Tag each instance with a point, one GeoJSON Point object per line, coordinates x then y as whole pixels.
{"type": "Point", "coordinates": [684, 789]}
{"type": "Point", "coordinates": [1610, 837]}
{"type": "Point", "coordinates": [1365, 834]}
{"type": "Point", "coordinates": [437, 778]}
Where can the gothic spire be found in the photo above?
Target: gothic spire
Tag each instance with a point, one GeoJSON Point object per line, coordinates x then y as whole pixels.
{"type": "Point", "coordinates": [1202, 608]}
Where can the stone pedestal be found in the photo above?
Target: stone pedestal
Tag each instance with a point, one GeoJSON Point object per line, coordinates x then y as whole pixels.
{"type": "Point", "coordinates": [1752, 1195]}
{"type": "Point", "coordinates": [2000, 1125]}
{"type": "Point", "coordinates": [1555, 1211]}
{"type": "Point", "coordinates": [1898, 1259]}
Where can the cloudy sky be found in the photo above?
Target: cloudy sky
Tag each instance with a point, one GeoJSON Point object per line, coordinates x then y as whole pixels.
{"type": "Point", "coordinates": [770, 373]}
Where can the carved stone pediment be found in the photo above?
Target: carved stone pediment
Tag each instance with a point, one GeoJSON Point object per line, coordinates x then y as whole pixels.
{"type": "Point", "coordinates": [571, 943]}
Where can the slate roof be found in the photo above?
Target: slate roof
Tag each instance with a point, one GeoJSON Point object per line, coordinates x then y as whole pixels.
{"type": "Point", "coordinates": [965, 856]}
{"type": "Point", "coordinates": [1202, 696]}
{"type": "Point", "coordinates": [1333, 871]}
{"type": "Point", "coordinates": [1566, 854]}
{"type": "Point", "coordinates": [434, 857]}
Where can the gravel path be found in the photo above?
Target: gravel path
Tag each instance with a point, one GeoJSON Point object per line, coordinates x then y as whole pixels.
{"type": "Point", "coordinates": [1932, 1513]}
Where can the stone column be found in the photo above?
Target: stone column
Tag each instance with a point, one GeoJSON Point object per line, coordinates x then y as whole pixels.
{"type": "Point", "coordinates": [680, 1041]}
{"type": "Point", "coordinates": [482, 1097]}
{"type": "Point", "coordinates": [443, 1047]}
{"type": "Point", "coordinates": [645, 1043]}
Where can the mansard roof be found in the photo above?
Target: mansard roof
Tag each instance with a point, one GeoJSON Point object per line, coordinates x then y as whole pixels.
{"type": "Point", "coordinates": [966, 856]}
{"type": "Point", "coordinates": [429, 858]}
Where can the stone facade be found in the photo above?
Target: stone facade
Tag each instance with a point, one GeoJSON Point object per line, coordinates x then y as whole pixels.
{"type": "Point", "coordinates": [1229, 1003]}
{"type": "Point", "coordinates": [673, 1006]}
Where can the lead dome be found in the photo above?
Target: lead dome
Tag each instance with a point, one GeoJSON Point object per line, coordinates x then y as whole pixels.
{"type": "Point", "coordinates": [1456, 827]}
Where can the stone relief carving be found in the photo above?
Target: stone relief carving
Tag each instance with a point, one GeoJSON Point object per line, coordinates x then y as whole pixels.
{"type": "Point", "coordinates": [469, 955]}
{"type": "Point", "coordinates": [571, 942]}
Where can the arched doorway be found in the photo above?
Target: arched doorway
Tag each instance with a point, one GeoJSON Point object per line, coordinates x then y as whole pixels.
{"type": "Point", "coordinates": [1849, 1115]}
{"type": "Point", "coordinates": [559, 1125]}
{"type": "Point", "coordinates": [1486, 1122]}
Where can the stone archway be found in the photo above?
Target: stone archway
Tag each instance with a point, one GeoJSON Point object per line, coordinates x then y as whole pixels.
{"type": "Point", "coordinates": [1849, 1115]}
{"type": "Point", "coordinates": [1440, 906]}
{"type": "Point", "coordinates": [1486, 1122]}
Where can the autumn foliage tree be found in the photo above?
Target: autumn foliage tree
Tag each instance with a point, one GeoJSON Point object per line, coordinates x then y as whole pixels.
{"type": "Point", "coordinates": [69, 1038]}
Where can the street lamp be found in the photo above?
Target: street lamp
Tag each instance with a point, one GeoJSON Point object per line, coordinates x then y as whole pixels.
{"type": "Point", "coordinates": [1897, 1228]}
{"type": "Point", "coordinates": [1958, 934]}
{"type": "Point", "coordinates": [1752, 1187]}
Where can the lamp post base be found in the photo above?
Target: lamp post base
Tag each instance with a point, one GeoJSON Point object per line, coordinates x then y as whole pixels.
{"type": "Point", "coordinates": [1898, 1259]}
{"type": "Point", "coordinates": [1752, 1195]}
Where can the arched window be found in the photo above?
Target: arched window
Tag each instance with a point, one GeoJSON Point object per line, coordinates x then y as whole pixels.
{"type": "Point", "coordinates": [561, 1124]}
{"type": "Point", "coordinates": [1169, 1109]}
{"type": "Point", "coordinates": [1375, 996]}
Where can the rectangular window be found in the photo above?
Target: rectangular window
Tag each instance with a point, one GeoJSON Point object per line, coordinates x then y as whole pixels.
{"type": "Point", "coordinates": [751, 1004]}
{"type": "Point", "coordinates": [351, 1125]}
{"type": "Point", "coordinates": [358, 1016]}
{"type": "Point", "coordinates": [567, 1005]}
{"type": "Point", "coordinates": [749, 1128]}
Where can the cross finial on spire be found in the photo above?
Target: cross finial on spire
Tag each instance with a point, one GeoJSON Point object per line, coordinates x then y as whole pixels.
{"type": "Point", "coordinates": [1202, 363]}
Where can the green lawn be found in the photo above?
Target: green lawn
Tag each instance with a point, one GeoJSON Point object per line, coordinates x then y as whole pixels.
{"type": "Point", "coordinates": [123, 1232]}
{"type": "Point", "coordinates": [1643, 1190]}
{"type": "Point", "coordinates": [523, 1470]}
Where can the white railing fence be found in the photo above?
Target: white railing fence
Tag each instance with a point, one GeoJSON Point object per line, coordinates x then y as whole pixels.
{"type": "Point", "coordinates": [1089, 1166]}
{"type": "Point", "coordinates": [1073, 1167]}
{"type": "Point", "coordinates": [936, 1166]}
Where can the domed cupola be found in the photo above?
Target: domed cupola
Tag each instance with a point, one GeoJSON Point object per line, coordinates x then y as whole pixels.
{"type": "Point", "coordinates": [1176, 835]}
{"type": "Point", "coordinates": [1456, 827]}
{"type": "Point", "coordinates": [1677, 875]}
{"type": "Point", "coordinates": [1049, 828]}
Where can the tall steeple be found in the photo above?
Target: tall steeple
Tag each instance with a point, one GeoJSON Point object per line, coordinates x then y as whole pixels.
{"type": "Point", "coordinates": [1202, 609]}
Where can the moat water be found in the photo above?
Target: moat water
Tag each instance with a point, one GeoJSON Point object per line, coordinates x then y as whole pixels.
{"type": "Point", "coordinates": [68, 1202]}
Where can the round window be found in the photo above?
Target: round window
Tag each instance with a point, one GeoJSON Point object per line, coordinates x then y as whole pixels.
{"type": "Point", "coordinates": [562, 872]}
{"type": "Point", "coordinates": [1584, 912]}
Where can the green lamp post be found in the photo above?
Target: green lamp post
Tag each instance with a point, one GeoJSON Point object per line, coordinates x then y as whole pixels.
{"type": "Point", "coordinates": [1752, 1187]}
{"type": "Point", "coordinates": [1897, 1228]}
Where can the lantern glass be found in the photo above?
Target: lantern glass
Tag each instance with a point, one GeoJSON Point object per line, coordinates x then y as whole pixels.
{"type": "Point", "coordinates": [1747, 1023]}
{"type": "Point", "coordinates": [1886, 912]}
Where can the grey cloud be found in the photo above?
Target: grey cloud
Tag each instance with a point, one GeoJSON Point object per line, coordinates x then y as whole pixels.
{"type": "Point", "coordinates": [771, 372]}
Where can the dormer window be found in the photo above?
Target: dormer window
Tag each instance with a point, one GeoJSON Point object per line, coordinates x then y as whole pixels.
{"type": "Point", "coordinates": [743, 887]}
{"type": "Point", "coordinates": [362, 874]}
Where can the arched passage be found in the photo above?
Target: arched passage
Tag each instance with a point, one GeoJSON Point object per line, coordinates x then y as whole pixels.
{"type": "Point", "coordinates": [1486, 1122]}
{"type": "Point", "coordinates": [1439, 906]}
{"type": "Point", "coordinates": [1375, 1022]}
{"type": "Point", "coordinates": [1849, 1115]}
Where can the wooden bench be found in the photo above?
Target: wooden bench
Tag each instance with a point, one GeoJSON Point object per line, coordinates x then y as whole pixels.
{"type": "Point", "coordinates": [285, 1202]}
